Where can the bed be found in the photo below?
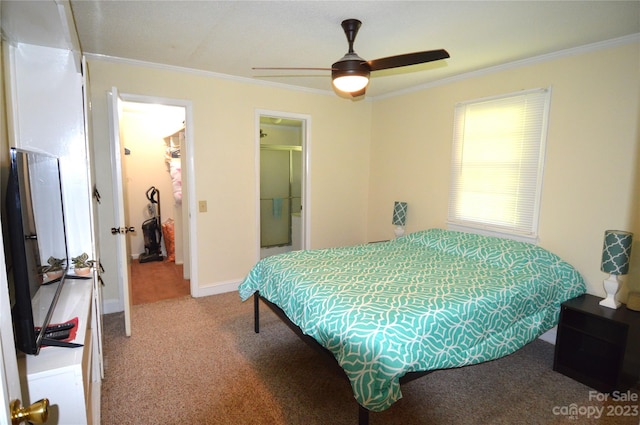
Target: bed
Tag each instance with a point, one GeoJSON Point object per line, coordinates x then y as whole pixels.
{"type": "Point", "coordinates": [430, 300]}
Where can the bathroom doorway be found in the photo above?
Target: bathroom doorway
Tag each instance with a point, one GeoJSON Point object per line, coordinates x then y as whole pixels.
{"type": "Point", "coordinates": [283, 203]}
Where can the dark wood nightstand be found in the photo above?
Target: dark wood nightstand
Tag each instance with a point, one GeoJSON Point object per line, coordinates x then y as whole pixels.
{"type": "Point", "coordinates": [598, 346]}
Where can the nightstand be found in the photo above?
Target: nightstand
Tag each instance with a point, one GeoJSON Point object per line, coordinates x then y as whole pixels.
{"type": "Point", "coordinates": [598, 346]}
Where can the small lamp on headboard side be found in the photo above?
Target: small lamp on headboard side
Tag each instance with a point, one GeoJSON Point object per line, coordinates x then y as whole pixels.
{"type": "Point", "coordinates": [616, 251]}
{"type": "Point", "coordinates": [399, 217]}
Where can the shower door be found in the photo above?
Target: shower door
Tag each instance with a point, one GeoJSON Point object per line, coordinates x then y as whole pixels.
{"type": "Point", "coordinates": [281, 142]}
{"type": "Point", "coordinates": [275, 197]}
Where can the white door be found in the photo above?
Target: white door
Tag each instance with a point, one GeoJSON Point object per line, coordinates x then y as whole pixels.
{"type": "Point", "coordinates": [10, 389]}
{"type": "Point", "coordinates": [9, 378]}
{"type": "Point", "coordinates": [120, 227]}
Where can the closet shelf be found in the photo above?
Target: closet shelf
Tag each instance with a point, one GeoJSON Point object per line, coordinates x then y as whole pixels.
{"type": "Point", "coordinates": [173, 144]}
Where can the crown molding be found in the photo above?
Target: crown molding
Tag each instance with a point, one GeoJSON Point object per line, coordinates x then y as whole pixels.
{"type": "Point", "coordinates": [574, 51]}
{"type": "Point", "coordinates": [607, 44]}
{"type": "Point", "coordinates": [200, 72]}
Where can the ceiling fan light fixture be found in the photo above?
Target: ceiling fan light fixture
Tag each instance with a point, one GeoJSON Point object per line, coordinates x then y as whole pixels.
{"type": "Point", "coordinates": [350, 83]}
{"type": "Point", "coordinates": [350, 74]}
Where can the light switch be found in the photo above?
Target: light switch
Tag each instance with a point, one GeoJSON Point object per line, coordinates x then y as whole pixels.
{"type": "Point", "coordinates": [202, 206]}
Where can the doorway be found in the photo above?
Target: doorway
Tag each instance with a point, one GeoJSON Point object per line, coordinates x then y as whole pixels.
{"type": "Point", "coordinates": [153, 136]}
{"type": "Point", "coordinates": [283, 201]}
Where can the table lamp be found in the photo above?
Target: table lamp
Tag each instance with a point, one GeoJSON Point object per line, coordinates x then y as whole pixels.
{"type": "Point", "coordinates": [616, 251]}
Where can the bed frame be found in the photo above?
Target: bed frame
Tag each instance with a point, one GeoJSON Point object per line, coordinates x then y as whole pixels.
{"type": "Point", "coordinates": [363, 413]}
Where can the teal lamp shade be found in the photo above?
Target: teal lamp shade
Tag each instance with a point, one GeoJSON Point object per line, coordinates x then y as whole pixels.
{"type": "Point", "coordinates": [616, 252]}
{"type": "Point", "coordinates": [399, 213]}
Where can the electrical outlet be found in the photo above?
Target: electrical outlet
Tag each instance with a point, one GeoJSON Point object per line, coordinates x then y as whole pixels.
{"type": "Point", "coordinates": [202, 206]}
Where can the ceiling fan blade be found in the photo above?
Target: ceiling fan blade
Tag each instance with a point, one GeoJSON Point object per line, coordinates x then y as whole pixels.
{"type": "Point", "coordinates": [407, 59]}
{"type": "Point", "coordinates": [284, 68]}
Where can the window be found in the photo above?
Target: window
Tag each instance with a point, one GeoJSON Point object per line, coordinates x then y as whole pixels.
{"type": "Point", "coordinates": [497, 164]}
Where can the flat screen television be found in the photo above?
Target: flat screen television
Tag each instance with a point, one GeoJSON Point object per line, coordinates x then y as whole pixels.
{"type": "Point", "coordinates": [36, 232]}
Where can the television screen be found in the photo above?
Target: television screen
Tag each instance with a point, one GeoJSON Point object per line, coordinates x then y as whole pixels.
{"type": "Point", "coordinates": [38, 249]}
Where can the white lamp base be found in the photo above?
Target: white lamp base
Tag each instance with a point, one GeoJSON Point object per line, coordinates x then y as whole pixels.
{"type": "Point", "coordinates": [611, 287]}
{"type": "Point", "coordinates": [399, 231]}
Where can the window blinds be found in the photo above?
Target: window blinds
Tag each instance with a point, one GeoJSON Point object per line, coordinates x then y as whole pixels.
{"type": "Point", "coordinates": [497, 162]}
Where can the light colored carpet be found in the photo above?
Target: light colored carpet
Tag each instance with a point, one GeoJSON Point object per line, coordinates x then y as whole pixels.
{"type": "Point", "coordinates": [198, 361]}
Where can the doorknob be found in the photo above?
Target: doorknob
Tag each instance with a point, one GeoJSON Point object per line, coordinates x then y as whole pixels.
{"type": "Point", "coordinates": [122, 230]}
{"type": "Point", "coordinates": [37, 413]}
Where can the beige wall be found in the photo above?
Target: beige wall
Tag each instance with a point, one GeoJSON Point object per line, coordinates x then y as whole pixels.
{"type": "Point", "coordinates": [365, 155]}
{"type": "Point", "coordinates": [225, 173]}
{"type": "Point", "coordinates": [590, 180]}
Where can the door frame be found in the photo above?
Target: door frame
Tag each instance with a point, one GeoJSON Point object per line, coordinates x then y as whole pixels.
{"type": "Point", "coordinates": [192, 259]}
{"type": "Point", "coordinates": [306, 175]}
{"type": "Point", "coordinates": [10, 384]}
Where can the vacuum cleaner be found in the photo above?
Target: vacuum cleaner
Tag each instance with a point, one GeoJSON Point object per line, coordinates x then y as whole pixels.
{"type": "Point", "coordinates": [152, 229]}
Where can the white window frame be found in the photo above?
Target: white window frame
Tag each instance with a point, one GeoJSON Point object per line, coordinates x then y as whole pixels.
{"type": "Point", "coordinates": [521, 224]}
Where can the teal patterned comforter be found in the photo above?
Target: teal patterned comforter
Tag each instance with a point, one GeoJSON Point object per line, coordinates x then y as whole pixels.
{"type": "Point", "coordinates": [429, 300]}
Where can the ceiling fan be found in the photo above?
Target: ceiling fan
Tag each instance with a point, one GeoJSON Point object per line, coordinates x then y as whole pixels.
{"type": "Point", "coordinates": [351, 73]}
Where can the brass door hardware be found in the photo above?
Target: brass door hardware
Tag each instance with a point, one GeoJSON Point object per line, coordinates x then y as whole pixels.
{"type": "Point", "coordinates": [37, 413]}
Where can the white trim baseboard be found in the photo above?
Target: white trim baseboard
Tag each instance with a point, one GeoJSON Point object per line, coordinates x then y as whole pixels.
{"type": "Point", "coordinates": [217, 288]}
{"type": "Point", "coordinates": [550, 335]}
{"type": "Point", "coordinates": [115, 306]}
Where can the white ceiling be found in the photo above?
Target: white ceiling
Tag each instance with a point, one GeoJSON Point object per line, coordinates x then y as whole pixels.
{"type": "Point", "coordinates": [231, 37]}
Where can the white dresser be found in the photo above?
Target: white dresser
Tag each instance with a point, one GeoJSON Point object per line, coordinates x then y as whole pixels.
{"type": "Point", "coordinates": [69, 377]}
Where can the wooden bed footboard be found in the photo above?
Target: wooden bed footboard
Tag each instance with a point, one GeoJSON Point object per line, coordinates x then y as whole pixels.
{"type": "Point", "coordinates": [363, 413]}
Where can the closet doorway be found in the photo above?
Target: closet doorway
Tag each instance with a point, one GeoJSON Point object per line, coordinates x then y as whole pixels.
{"type": "Point", "coordinates": [153, 136]}
{"type": "Point", "coordinates": [283, 179]}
